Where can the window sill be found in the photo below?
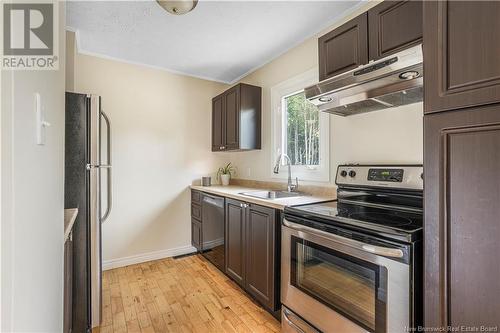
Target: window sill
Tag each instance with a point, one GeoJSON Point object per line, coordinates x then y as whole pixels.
{"type": "Point", "coordinates": [309, 175]}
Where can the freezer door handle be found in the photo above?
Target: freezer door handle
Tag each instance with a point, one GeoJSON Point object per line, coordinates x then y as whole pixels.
{"type": "Point", "coordinates": [108, 167]}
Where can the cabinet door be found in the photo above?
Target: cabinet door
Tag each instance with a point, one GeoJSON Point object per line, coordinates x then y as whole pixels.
{"type": "Point", "coordinates": [462, 224]}
{"type": "Point", "coordinates": [196, 211]}
{"type": "Point", "coordinates": [218, 123]}
{"type": "Point", "coordinates": [394, 26]}
{"type": "Point", "coordinates": [461, 54]}
{"type": "Point", "coordinates": [235, 240]}
{"type": "Point", "coordinates": [196, 237]}
{"type": "Point", "coordinates": [232, 112]}
{"type": "Point", "coordinates": [260, 254]}
{"type": "Point", "coordinates": [68, 286]}
{"type": "Point", "coordinates": [344, 48]}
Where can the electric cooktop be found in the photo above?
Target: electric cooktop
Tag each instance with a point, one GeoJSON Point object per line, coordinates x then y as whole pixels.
{"type": "Point", "coordinates": [400, 224]}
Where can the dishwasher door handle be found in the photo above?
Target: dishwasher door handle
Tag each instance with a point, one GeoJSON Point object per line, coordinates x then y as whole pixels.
{"type": "Point", "coordinates": [213, 201]}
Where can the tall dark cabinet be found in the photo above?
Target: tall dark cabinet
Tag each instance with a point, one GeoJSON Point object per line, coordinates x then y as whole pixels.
{"type": "Point", "coordinates": [462, 163]}
{"type": "Point", "coordinates": [236, 119]}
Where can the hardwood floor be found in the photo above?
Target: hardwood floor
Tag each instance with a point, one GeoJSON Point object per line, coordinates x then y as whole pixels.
{"type": "Point", "coordinates": [178, 295]}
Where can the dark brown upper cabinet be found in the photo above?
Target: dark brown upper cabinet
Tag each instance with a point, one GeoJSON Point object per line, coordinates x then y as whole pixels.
{"type": "Point", "coordinates": [236, 119]}
{"type": "Point", "coordinates": [461, 54]}
{"type": "Point", "coordinates": [394, 26]}
{"type": "Point", "coordinates": [218, 126]}
{"type": "Point", "coordinates": [387, 28]}
{"type": "Point", "coordinates": [344, 48]}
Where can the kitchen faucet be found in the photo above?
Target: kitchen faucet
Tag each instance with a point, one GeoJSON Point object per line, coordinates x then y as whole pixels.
{"type": "Point", "coordinates": [291, 187]}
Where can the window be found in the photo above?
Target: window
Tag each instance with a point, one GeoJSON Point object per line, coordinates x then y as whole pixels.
{"type": "Point", "coordinates": [299, 130]}
{"type": "Point", "coordinates": [301, 121]}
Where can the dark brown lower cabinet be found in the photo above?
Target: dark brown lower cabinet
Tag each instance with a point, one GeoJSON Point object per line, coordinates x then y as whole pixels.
{"type": "Point", "coordinates": [196, 236]}
{"type": "Point", "coordinates": [462, 218]}
{"type": "Point", "coordinates": [68, 285]}
{"type": "Point", "coordinates": [252, 250]}
{"type": "Point", "coordinates": [196, 227]}
{"type": "Point", "coordinates": [235, 241]}
{"type": "Point", "coordinates": [261, 253]}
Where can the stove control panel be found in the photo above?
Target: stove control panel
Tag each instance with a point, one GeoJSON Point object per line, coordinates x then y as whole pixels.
{"type": "Point", "coordinates": [386, 175]}
{"type": "Point", "coordinates": [397, 176]}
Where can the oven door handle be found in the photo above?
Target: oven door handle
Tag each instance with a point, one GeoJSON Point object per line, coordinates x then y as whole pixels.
{"type": "Point", "coordinates": [378, 250]}
{"type": "Point", "coordinates": [383, 251]}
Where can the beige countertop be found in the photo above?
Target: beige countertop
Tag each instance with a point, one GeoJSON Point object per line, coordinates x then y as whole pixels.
{"type": "Point", "coordinates": [69, 219]}
{"type": "Point", "coordinates": [233, 191]}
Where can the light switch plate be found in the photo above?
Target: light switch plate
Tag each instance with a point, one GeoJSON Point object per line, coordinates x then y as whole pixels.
{"type": "Point", "coordinates": [41, 124]}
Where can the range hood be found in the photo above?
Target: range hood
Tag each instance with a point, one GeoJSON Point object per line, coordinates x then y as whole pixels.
{"type": "Point", "coordinates": [392, 81]}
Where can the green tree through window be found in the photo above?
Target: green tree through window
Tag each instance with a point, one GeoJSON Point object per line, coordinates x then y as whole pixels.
{"type": "Point", "coordinates": [302, 125]}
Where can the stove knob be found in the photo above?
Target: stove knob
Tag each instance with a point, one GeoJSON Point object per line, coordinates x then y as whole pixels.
{"type": "Point", "coordinates": [352, 173]}
{"type": "Point", "coordinates": [343, 173]}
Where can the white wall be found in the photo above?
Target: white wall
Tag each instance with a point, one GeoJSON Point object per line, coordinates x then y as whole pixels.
{"type": "Point", "coordinates": [32, 200]}
{"type": "Point", "coordinates": [388, 136]}
{"type": "Point", "coordinates": [161, 125]}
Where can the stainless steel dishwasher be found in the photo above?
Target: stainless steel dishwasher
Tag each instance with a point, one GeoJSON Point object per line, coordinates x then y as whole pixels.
{"type": "Point", "coordinates": [212, 243]}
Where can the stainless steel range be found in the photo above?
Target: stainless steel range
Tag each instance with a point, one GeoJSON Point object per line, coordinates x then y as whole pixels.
{"type": "Point", "coordinates": [354, 265]}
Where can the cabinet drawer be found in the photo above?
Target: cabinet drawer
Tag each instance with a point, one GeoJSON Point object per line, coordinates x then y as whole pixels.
{"type": "Point", "coordinates": [196, 197]}
{"type": "Point", "coordinates": [196, 211]}
{"type": "Point", "coordinates": [196, 234]}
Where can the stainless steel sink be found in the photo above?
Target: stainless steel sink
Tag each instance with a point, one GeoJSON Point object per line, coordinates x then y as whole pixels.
{"type": "Point", "coordinates": [272, 194]}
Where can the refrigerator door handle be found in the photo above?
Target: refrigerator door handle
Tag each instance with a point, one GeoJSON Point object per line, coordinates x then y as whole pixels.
{"type": "Point", "coordinates": [108, 166]}
{"type": "Point", "coordinates": [94, 172]}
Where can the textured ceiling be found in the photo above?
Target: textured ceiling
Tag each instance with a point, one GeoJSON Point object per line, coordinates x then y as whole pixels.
{"type": "Point", "coordinates": [219, 40]}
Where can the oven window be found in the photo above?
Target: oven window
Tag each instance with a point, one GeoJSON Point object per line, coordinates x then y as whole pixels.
{"type": "Point", "coordinates": [350, 286]}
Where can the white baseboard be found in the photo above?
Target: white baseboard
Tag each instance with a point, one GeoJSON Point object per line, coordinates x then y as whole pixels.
{"type": "Point", "coordinates": [144, 257]}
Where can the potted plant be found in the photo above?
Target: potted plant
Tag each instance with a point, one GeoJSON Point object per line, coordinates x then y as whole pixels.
{"type": "Point", "coordinates": [225, 173]}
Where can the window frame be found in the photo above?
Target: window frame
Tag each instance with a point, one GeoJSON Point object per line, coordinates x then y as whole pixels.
{"type": "Point", "coordinates": [294, 85]}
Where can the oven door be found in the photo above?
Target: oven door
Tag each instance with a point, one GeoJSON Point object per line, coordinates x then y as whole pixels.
{"type": "Point", "coordinates": [342, 285]}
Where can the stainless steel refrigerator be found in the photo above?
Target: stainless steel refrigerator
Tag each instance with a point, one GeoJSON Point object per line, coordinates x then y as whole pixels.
{"type": "Point", "coordinates": [87, 186]}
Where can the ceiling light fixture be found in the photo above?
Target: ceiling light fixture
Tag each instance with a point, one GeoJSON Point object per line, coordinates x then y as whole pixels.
{"type": "Point", "coordinates": [178, 7]}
